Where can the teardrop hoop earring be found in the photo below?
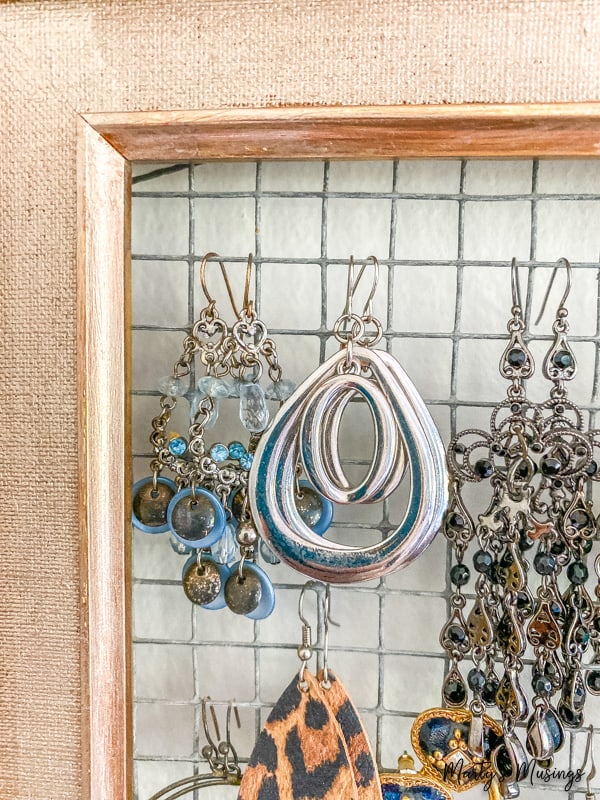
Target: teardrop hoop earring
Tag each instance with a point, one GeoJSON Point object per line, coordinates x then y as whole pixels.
{"type": "Point", "coordinates": [305, 431]}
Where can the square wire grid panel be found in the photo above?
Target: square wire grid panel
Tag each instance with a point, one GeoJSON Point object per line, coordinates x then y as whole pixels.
{"type": "Point", "coordinates": [444, 233]}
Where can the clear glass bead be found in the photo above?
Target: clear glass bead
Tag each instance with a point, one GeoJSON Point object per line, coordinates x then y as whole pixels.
{"type": "Point", "coordinates": [280, 390]}
{"type": "Point", "coordinates": [254, 413]}
{"type": "Point", "coordinates": [173, 387]}
{"type": "Point", "coordinates": [225, 550]}
{"type": "Point", "coordinates": [197, 398]}
{"type": "Point", "coordinates": [213, 387]}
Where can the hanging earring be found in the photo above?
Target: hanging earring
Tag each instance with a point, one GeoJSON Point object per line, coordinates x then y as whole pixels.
{"type": "Point", "coordinates": [221, 756]}
{"type": "Point", "coordinates": [306, 430]}
{"type": "Point", "coordinates": [300, 753]}
{"type": "Point", "coordinates": [337, 700]}
{"type": "Point", "coordinates": [199, 513]}
{"type": "Point", "coordinates": [567, 465]}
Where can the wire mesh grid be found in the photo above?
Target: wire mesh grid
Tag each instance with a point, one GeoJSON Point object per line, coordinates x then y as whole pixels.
{"type": "Point", "coordinates": [388, 661]}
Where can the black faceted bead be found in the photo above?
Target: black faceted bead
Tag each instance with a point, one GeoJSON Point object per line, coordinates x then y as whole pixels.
{"type": "Point", "coordinates": [456, 634]}
{"type": "Point", "coordinates": [558, 547]}
{"type": "Point", "coordinates": [593, 680]}
{"type": "Point", "coordinates": [455, 520]}
{"type": "Point", "coordinates": [488, 695]}
{"type": "Point", "coordinates": [592, 468]}
{"type": "Point", "coordinates": [550, 465]}
{"type": "Point", "coordinates": [562, 359]}
{"type": "Point", "coordinates": [459, 574]}
{"type": "Point", "coordinates": [525, 543]}
{"type": "Point", "coordinates": [587, 545]}
{"type": "Point", "coordinates": [459, 448]}
{"type": "Point", "coordinates": [541, 684]}
{"type": "Point", "coordinates": [516, 357]}
{"type": "Point", "coordinates": [544, 563]}
{"type": "Point", "coordinates": [523, 602]}
{"type": "Point", "coordinates": [482, 561]}
{"type": "Point", "coordinates": [455, 692]}
{"type": "Point", "coordinates": [476, 680]}
{"type": "Point", "coordinates": [579, 519]}
{"type": "Point", "coordinates": [582, 636]}
{"type": "Point", "coordinates": [484, 468]}
{"type": "Point", "coordinates": [577, 572]}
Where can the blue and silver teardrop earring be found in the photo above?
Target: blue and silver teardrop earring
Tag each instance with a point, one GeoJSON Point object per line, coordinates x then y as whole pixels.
{"type": "Point", "coordinates": [305, 433]}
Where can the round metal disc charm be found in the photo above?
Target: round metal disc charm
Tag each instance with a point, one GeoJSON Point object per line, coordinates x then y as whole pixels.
{"type": "Point", "coordinates": [242, 595]}
{"type": "Point", "coordinates": [196, 521]}
{"type": "Point", "coordinates": [202, 584]}
{"type": "Point", "coordinates": [150, 506]}
{"type": "Point", "coordinates": [267, 598]}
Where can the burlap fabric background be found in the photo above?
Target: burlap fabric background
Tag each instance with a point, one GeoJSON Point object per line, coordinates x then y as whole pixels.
{"type": "Point", "coordinates": [57, 58]}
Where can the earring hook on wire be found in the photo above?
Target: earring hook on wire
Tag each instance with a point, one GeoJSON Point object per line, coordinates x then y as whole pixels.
{"type": "Point", "coordinates": [327, 621]}
{"type": "Point", "coordinates": [561, 262]}
{"type": "Point", "coordinates": [248, 305]}
{"type": "Point", "coordinates": [211, 750]}
{"type": "Point", "coordinates": [305, 650]}
{"type": "Point", "coordinates": [353, 282]}
{"type": "Point", "coordinates": [515, 285]}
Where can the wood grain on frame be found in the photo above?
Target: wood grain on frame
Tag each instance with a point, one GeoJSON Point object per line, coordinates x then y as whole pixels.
{"type": "Point", "coordinates": [566, 130]}
{"type": "Point", "coordinates": [107, 143]}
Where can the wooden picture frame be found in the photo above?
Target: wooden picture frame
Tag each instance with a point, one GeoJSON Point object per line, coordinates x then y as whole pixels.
{"type": "Point", "coordinates": [107, 145]}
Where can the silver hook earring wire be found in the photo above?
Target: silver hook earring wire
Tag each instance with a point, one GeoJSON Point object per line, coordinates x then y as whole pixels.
{"type": "Point", "coordinates": [353, 283]}
{"type": "Point", "coordinates": [305, 650]}
{"type": "Point", "coordinates": [589, 754]}
{"type": "Point", "coordinates": [327, 620]}
{"type": "Point", "coordinates": [560, 263]}
{"type": "Point", "coordinates": [515, 285]}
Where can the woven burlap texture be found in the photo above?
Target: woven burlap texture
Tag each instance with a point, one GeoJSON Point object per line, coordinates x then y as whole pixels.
{"type": "Point", "coordinates": [58, 58]}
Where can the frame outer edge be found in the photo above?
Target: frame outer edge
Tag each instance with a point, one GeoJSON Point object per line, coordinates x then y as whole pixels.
{"type": "Point", "coordinates": [105, 465]}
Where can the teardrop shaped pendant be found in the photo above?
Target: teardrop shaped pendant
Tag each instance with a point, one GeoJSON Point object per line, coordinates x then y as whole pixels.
{"type": "Point", "coordinates": [400, 418]}
{"type": "Point", "coordinates": [300, 752]}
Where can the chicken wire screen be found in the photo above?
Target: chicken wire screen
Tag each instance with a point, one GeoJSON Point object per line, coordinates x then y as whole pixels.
{"type": "Point", "coordinates": [444, 233]}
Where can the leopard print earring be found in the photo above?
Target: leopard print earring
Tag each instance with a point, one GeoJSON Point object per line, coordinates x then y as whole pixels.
{"type": "Point", "coordinates": [313, 745]}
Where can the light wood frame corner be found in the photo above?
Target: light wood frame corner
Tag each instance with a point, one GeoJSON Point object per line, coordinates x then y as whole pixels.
{"type": "Point", "coordinates": [107, 143]}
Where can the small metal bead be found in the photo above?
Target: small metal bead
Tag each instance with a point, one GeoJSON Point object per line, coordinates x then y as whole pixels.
{"type": "Point", "coordinates": [246, 534]}
{"type": "Point", "coordinates": [304, 653]}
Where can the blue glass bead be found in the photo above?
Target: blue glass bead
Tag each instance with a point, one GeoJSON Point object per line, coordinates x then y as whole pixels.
{"type": "Point", "coordinates": [173, 387]}
{"type": "Point", "coordinates": [177, 446]}
{"type": "Point", "coordinates": [246, 461]}
{"type": "Point", "coordinates": [236, 450]}
{"type": "Point", "coordinates": [219, 452]}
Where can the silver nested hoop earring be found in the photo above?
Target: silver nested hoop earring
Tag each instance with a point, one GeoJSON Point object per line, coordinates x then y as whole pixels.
{"type": "Point", "coordinates": [305, 432]}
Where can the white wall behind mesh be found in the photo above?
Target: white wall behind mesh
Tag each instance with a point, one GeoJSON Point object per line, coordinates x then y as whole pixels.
{"type": "Point", "coordinates": [444, 232]}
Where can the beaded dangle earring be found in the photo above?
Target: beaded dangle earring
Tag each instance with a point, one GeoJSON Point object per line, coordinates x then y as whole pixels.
{"type": "Point", "coordinates": [567, 466]}
{"type": "Point", "coordinates": [212, 480]}
{"type": "Point", "coordinates": [494, 625]}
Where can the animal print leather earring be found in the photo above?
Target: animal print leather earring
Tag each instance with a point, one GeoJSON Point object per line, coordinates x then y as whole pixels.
{"type": "Point", "coordinates": [305, 433]}
{"type": "Point", "coordinates": [303, 752]}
